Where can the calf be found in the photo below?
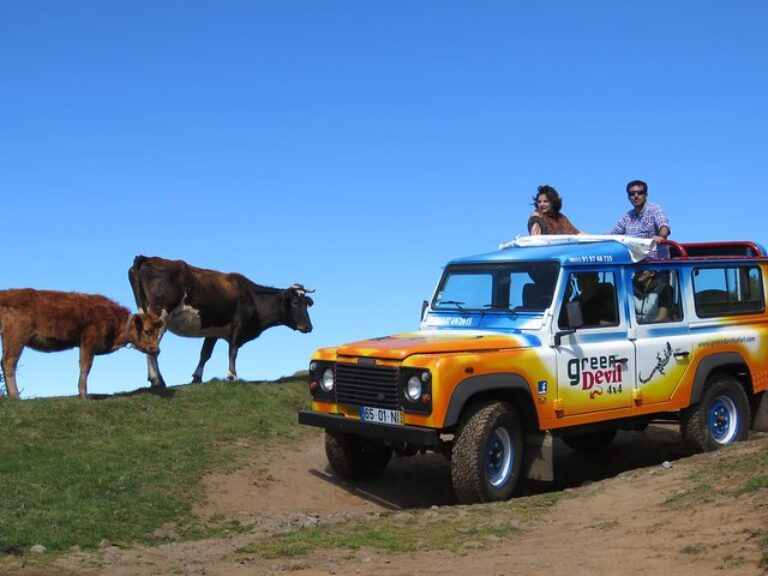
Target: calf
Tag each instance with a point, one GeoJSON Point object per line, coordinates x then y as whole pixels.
{"type": "Point", "coordinates": [209, 304]}
{"type": "Point", "coordinates": [49, 321]}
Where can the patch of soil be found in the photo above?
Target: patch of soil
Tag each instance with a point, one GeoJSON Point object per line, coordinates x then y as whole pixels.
{"type": "Point", "coordinates": [617, 521]}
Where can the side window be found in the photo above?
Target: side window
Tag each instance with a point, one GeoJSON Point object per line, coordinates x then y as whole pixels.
{"type": "Point", "coordinates": [656, 294]}
{"type": "Point", "coordinates": [594, 294]}
{"type": "Point", "coordinates": [727, 291]}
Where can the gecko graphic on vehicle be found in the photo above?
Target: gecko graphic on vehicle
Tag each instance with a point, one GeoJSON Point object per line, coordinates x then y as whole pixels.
{"type": "Point", "coordinates": [574, 337]}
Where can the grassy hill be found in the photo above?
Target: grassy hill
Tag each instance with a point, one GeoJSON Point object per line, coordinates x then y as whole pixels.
{"type": "Point", "coordinates": [73, 473]}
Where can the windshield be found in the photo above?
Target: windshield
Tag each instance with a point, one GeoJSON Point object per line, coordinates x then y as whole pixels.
{"type": "Point", "coordinates": [520, 287]}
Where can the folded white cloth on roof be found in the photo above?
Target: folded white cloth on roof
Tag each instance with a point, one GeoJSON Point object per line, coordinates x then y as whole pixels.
{"type": "Point", "coordinates": [638, 247]}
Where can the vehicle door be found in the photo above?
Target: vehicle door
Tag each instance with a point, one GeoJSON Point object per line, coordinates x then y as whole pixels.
{"type": "Point", "coordinates": [660, 330]}
{"type": "Point", "coordinates": [595, 358]}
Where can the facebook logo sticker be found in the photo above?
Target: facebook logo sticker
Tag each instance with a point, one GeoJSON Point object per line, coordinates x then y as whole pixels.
{"type": "Point", "coordinates": [542, 387]}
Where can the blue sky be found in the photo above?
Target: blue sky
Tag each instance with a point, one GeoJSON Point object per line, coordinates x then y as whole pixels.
{"type": "Point", "coordinates": [354, 146]}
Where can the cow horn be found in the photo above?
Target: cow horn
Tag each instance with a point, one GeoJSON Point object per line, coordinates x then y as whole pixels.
{"type": "Point", "coordinates": [301, 288]}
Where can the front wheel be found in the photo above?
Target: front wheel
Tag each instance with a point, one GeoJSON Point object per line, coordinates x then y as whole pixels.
{"type": "Point", "coordinates": [487, 454]}
{"type": "Point", "coordinates": [355, 458]}
{"type": "Point", "coordinates": [721, 418]}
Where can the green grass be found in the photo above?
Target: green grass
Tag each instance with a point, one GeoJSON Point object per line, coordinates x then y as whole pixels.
{"type": "Point", "coordinates": [764, 553]}
{"type": "Point", "coordinates": [74, 472]}
{"type": "Point", "coordinates": [761, 536]}
{"type": "Point", "coordinates": [730, 472]}
{"type": "Point", "coordinates": [411, 531]}
{"type": "Point", "coordinates": [752, 484]}
{"type": "Point", "coordinates": [694, 549]}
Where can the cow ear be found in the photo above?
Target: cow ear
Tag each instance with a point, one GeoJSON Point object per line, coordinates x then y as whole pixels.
{"type": "Point", "coordinates": [308, 300]}
{"type": "Point", "coordinates": [138, 321]}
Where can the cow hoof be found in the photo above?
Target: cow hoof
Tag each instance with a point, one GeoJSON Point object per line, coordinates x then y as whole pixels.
{"type": "Point", "coordinates": [157, 384]}
{"type": "Point", "coordinates": [196, 380]}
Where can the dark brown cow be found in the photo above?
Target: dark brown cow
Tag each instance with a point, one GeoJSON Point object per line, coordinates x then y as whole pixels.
{"type": "Point", "coordinates": [50, 321]}
{"type": "Point", "coordinates": [204, 303]}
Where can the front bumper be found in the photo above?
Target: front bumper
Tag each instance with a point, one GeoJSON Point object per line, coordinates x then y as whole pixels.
{"type": "Point", "coordinates": [424, 437]}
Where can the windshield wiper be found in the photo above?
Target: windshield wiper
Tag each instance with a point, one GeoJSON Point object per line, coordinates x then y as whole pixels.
{"type": "Point", "coordinates": [454, 303]}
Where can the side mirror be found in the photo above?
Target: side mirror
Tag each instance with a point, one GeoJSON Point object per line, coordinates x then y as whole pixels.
{"type": "Point", "coordinates": [559, 335]}
{"type": "Point", "coordinates": [424, 305]}
{"type": "Point", "coordinates": [573, 313]}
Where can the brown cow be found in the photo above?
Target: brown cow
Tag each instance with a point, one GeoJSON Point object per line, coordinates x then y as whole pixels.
{"type": "Point", "coordinates": [198, 302]}
{"type": "Point", "coordinates": [50, 321]}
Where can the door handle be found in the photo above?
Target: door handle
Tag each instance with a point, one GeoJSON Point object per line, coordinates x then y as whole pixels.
{"type": "Point", "coordinates": [681, 353]}
{"type": "Point", "coordinates": [622, 360]}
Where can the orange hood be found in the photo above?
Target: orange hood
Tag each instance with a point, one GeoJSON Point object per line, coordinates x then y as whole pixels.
{"type": "Point", "coordinates": [400, 346]}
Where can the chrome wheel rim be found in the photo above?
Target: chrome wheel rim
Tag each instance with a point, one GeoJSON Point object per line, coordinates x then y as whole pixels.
{"type": "Point", "coordinates": [723, 420]}
{"type": "Point", "coordinates": [499, 456]}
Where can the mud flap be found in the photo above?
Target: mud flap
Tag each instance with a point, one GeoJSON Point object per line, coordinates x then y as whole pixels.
{"type": "Point", "coordinates": [538, 458]}
{"type": "Point", "coordinates": [760, 412]}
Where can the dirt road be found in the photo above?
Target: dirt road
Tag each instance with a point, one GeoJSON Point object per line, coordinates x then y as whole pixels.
{"type": "Point", "coordinates": [617, 522]}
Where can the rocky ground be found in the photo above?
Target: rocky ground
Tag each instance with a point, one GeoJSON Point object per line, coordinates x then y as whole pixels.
{"type": "Point", "coordinates": [617, 519]}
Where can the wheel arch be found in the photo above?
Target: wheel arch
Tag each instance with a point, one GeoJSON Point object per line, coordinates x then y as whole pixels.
{"type": "Point", "coordinates": [506, 387]}
{"type": "Point", "coordinates": [731, 363]}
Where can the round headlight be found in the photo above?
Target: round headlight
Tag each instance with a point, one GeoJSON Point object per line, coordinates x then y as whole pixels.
{"type": "Point", "coordinates": [326, 382]}
{"type": "Point", "coordinates": [413, 388]}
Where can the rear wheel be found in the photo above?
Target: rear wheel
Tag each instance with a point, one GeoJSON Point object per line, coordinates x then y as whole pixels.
{"type": "Point", "coordinates": [487, 454]}
{"type": "Point", "coordinates": [720, 418]}
{"type": "Point", "coordinates": [355, 458]}
{"type": "Point", "coordinates": [591, 442]}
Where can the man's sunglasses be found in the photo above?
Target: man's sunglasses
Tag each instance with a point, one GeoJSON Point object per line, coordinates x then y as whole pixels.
{"type": "Point", "coordinates": [635, 193]}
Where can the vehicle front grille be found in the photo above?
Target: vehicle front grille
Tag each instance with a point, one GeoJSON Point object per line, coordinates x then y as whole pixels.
{"type": "Point", "coordinates": [374, 386]}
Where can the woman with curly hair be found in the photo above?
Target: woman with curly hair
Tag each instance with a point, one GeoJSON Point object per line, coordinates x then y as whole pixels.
{"type": "Point", "coordinates": [547, 218]}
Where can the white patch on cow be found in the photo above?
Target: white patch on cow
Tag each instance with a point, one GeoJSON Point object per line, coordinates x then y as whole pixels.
{"type": "Point", "coordinates": [185, 321]}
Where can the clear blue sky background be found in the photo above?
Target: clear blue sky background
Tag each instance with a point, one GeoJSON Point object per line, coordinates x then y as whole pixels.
{"type": "Point", "coordinates": [354, 146]}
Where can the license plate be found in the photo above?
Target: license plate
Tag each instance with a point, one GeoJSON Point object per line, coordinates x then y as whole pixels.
{"type": "Point", "coordinates": [380, 415]}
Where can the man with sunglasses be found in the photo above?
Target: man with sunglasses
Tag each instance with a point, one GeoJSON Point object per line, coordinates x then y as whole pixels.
{"type": "Point", "coordinates": [645, 220]}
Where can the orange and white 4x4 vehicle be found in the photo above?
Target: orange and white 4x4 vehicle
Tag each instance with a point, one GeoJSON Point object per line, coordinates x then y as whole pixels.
{"type": "Point", "coordinates": [575, 337]}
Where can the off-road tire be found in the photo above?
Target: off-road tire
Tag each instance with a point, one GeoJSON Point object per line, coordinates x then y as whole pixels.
{"type": "Point", "coordinates": [720, 418]}
{"type": "Point", "coordinates": [487, 453]}
{"type": "Point", "coordinates": [591, 442]}
{"type": "Point", "coordinates": [355, 458]}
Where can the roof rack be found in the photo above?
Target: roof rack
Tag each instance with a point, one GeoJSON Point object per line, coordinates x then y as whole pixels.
{"type": "Point", "coordinates": [731, 249]}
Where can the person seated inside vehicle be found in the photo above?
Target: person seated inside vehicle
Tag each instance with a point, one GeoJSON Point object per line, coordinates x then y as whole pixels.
{"type": "Point", "coordinates": [596, 299]}
{"type": "Point", "coordinates": [538, 295]}
{"type": "Point", "coordinates": [653, 297]}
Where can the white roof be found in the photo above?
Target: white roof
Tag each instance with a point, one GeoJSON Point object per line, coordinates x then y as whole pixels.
{"type": "Point", "coordinates": [638, 247]}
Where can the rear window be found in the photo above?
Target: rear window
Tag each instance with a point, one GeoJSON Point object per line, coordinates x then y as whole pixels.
{"type": "Point", "coordinates": [727, 291]}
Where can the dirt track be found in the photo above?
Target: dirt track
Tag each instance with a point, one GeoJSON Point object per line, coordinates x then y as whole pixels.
{"type": "Point", "coordinates": [616, 524]}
